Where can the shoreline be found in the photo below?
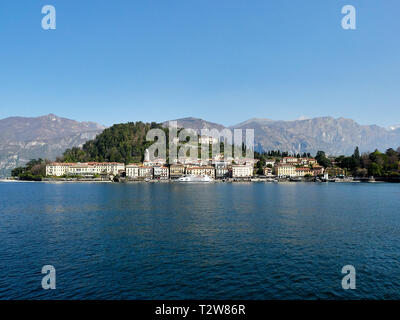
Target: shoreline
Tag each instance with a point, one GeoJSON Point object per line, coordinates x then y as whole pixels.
{"type": "Point", "coordinates": [256, 180]}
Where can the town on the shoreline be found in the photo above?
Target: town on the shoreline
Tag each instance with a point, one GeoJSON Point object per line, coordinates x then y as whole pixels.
{"type": "Point", "coordinates": [220, 169]}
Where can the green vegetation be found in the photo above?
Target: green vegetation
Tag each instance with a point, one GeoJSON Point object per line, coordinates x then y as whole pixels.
{"type": "Point", "coordinates": [376, 164]}
{"type": "Point", "coordinates": [322, 159]}
{"type": "Point", "coordinates": [34, 170]}
{"type": "Point", "coordinates": [125, 143]}
{"type": "Point", "coordinates": [120, 143]}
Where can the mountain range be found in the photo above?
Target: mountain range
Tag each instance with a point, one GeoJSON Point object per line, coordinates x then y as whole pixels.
{"type": "Point", "coordinates": [22, 139]}
{"type": "Point", "coordinates": [335, 136]}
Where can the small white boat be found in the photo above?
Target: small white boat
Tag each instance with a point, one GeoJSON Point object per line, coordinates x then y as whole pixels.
{"type": "Point", "coordinates": [194, 178]}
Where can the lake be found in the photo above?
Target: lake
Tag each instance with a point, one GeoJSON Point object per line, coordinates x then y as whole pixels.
{"type": "Point", "coordinates": [199, 241]}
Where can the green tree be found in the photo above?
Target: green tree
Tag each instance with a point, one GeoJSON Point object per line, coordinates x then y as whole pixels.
{"type": "Point", "coordinates": [323, 159]}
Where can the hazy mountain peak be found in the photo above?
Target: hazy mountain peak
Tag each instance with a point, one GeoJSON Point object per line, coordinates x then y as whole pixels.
{"type": "Point", "coordinates": [394, 127]}
{"type": "Point", "coordinates": [303, 117]}
{"type": "Point", "coordinates": [195, 123]}
{"type": "Point", "coordinates": [258, 121]}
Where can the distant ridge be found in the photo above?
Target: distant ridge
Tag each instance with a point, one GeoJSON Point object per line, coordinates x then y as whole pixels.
{"type": "Point", "coordinates": [335, 136]}
{"type": "Point", "coordinates": [22, 138]}
{"type": "Point", "coordinates": [26, 138]}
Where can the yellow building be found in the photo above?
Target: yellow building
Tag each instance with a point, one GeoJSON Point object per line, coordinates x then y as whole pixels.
{"type": "Point", "coordinates": [176, 170]}
{"type": "Point", "coordinates": [201, 171]}
{"type": "Point", "coordinates": [304, 171]}
{"type": "Point", "coordinates": [285, 170]}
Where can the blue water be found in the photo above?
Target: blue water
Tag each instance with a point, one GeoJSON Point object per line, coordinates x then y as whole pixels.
{"type": "Point", "coordinates": [198, 241]}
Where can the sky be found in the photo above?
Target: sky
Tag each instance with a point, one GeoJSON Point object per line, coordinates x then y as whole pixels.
{"type": "Point", "coordinates": [221, 60]}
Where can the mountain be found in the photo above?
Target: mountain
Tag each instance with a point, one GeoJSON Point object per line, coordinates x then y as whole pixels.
{"type": "Point", "coordinates": [394, 127]}
{"type": "Point", "coordinates": [23, 139]}
{"type": "Point", "coordinates": [334, 136]}
{"type": "Point", "coordinates": [195, 123]}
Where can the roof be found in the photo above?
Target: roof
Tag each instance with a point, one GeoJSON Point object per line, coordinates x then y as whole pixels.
{"type": "Point", "coordinates": [84, 163]}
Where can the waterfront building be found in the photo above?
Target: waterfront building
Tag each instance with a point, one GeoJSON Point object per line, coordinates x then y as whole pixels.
{"type": "Point", "coordinates": [242, 171]}
{"type": "Point", "coordinates": [110, 168]}
{"type": "Point", "coordinates": [145, 172]}
{"type": "Point", "coordinates": [285, 170]}
{"type": "Point", "coordinates": [132, 171]}
{"type": "Point", "coordinates": [160, 173]}
{"type": "Point", "coordinates": [317, 170]}
{"type": "Point", "coordinates": [57, 169]}
{"type": "Point", "coordinates": [303, 171]}
{"type": "Point", "coordinates": [84, 169]}
{"type": "Point", "coordinates": [267, 171]}
{"type": "Point", "coordinates": [81, 169]}
{"type": "Point", "coordinates": [220, 164]}
{"type": "Point", "coordinates": [201, 171]}
{"type": "Point", "coordinates": [222, 172]}
{"type": "Point", "coordinates": [334, 172]}
{"type": "Point", "coordinates": [176, 171]}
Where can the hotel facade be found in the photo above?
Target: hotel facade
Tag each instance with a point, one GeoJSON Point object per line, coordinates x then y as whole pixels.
{"type": "Point", "coordinates": [84, 169]}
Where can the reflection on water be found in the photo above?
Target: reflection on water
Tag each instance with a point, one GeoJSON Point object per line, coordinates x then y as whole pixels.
{"type": "Point", "coordinates": [182, 241]}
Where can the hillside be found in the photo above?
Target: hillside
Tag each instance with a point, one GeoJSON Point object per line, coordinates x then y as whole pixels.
{"type": "Point", "coordinates": [120, 143]}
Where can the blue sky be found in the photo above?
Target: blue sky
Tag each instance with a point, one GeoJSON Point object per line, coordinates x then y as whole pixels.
{"type": "Point", "coordinates": [222, 60]}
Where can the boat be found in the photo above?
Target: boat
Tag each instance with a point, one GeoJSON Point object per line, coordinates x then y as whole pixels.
{"type": "Point", "coordinates": [194, 178]}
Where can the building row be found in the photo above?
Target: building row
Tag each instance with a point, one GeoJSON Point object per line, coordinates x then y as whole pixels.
{"type": "Point", "coordinates": [59, 169]}
{"type": "Point", "coordinates": [290, 170]}
{"type": "Point", "coordinates": [157, 171]}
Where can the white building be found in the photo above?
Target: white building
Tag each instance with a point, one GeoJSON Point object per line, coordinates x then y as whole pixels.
{"type": "Point", "coordinates": [208, 140]}
{"type": "Point", "coordinates": [291, 160]}
{"type": "Point", "coordinates": [145, 172]}
{"type": "Point", "coordinates": [160, 172]}
{"type": "Point", "coordinates": [132, 171]}
{"type": "Point", "coordinates": [242, 171]}
{"type": "Point", "coordinates": [155, 162]}
{"type": "Point", "coordinates": [81, 169]}
{"type": "Point", "coordinates": [246, 161]}
{"type": "Point", "coordinates": [222, 172]}
{"type": "Point", "coordinates": [84, 169]}
{"type": "Point", "coordinates": [270, 162]}
{"type": "Point", "coordinates": [57, 169]}
{"type": "Point", "coordinates": [113, 168]}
